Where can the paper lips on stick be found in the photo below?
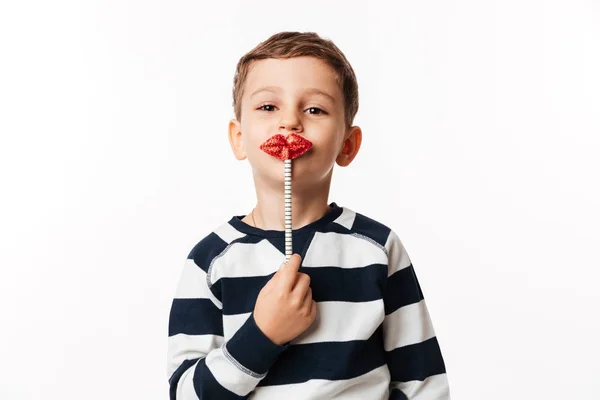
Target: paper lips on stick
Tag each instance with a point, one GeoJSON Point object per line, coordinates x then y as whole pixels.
{"type": "Point", "coordinates": [286, 148]}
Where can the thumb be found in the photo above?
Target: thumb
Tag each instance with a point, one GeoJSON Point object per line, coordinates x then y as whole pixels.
{"type": "Point", "coordinates": [293, 263]}
{"type": "Point", "coordinates": [289, 270]}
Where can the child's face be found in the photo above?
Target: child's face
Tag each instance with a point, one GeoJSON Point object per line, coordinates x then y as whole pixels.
{"type": "Point", "coordinates": [290, 103]}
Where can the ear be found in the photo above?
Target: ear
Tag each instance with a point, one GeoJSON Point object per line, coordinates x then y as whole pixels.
{"type": "Point", "coordinates": [236, 140]}
{"type": "Point", "coordinates": [350, 147]}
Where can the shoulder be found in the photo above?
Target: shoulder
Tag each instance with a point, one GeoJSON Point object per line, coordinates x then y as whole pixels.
{"type": "Point", "coordinates": [377, 231]}
{"type": "Point", "coordinates": [213, 245]}
{"type": "Point", "coordinates": [381, 234]}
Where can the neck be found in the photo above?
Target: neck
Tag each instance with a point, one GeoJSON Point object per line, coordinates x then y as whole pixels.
{"type": "Point", "coordinates": [309, 203]}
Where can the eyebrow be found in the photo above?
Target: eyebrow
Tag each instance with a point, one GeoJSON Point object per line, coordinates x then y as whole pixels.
{"type": "Point", "coordinates": [276, 89]}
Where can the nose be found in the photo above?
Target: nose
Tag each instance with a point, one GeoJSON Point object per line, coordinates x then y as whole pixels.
{"type": "Point", "coordinates": [290, 122]}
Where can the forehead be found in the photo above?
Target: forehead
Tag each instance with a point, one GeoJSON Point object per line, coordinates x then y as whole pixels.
{"type": "Point", "coordinates": [292, 74]}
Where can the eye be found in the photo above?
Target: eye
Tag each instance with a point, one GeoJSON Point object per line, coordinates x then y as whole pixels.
{"type": "Point", "coordinates": [271, 107]}
{"type": "Point", "coordinates": [316, 108]}
{"type": "Point", "coordinates": [266, 105]}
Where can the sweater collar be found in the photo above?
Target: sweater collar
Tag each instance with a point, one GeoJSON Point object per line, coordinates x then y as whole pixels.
{"type": "Point", "coordinates": [332, 214]}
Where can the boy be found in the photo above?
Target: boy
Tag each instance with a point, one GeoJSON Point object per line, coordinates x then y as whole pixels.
{"type": "Point", "coordinates": [344, 318]}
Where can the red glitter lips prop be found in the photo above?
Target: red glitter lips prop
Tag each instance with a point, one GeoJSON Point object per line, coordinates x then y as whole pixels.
{"type": "Point", "coordinates": [286, 148]}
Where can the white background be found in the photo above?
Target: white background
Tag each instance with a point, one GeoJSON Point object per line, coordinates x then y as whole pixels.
{"type": "Point", "coordinates": [481, 124]}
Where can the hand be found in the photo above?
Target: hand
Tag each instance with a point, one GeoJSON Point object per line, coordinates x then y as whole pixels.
{"type": "Point", "coordinates": [284, 307]}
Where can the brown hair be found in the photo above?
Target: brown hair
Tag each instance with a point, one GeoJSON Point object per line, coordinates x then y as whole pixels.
{"type": "Point", "coordinates": [298, 44]}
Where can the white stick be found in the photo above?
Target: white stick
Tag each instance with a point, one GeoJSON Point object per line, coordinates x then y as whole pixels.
{"type": "Point", "coordinates": [288, 208]}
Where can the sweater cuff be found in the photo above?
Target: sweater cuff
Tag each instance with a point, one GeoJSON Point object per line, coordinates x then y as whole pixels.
{"type": "Point", "coordinates": [252, 349]}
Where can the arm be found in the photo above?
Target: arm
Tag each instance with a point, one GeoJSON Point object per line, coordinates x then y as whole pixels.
{"type": "Point", "coordinates": [200, 364]}
{"type": "Point", "coordinates": [413, 354]}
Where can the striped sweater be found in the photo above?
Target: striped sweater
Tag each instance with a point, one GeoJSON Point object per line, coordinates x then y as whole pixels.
{"type": "Point", "coordinates": [372, 337]}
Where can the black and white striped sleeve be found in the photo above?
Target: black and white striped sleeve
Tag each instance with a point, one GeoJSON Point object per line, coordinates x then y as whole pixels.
{"type": "Point", "coordinates": [412, 351]}
{"type": "Point", "coordinates": [200, 363]}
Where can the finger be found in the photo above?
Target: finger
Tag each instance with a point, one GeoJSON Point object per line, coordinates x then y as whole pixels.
{"type": "Point", "coordinates": [306, 302]}
{"type": "Point", "coordinates": [313, 310]}
{"type": "Point", "coordinates": [285, 266]}
{"type": "Point", "coordinates": [302, 284]}
{"type": "Point", "coordinates": [288, 272]}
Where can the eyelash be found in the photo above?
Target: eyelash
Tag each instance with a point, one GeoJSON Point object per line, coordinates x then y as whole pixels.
{"type": "Point", "coordinates": [316, 108]}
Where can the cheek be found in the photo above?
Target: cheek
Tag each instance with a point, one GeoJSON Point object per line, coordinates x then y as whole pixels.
{"type": "Point", "coordinates": [254, 135]}
{"type": "Point", "coordinates": [327, 145]}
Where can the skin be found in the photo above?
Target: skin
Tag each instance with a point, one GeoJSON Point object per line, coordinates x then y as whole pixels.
{"type": "Point", "coordinates": [291, 108]}
{"type": "Point", "coordinates": [284, 307]}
